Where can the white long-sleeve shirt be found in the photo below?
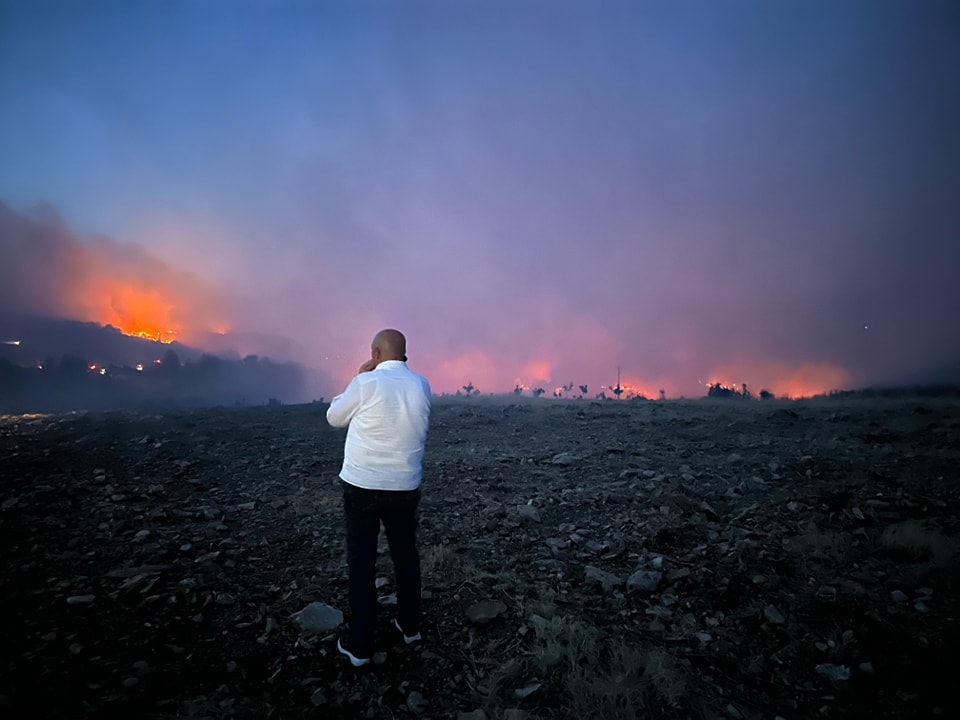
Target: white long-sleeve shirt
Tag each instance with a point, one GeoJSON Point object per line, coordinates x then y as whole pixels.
{"type": "Point", "coordinates": [386, 412]}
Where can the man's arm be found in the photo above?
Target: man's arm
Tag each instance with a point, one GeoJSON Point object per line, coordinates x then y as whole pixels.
{"type": "Point", "coordinates": [345, 405]}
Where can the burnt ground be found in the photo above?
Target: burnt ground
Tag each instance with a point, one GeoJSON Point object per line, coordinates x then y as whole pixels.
{"type": "Point", "coordinates": [665, 559]}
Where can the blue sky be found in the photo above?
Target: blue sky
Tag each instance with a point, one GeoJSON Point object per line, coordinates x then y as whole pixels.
{"type": "Point", "coordinates": [535, 192]}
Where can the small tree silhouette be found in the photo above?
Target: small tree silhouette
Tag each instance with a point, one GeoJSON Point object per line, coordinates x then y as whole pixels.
{"type": "Point", "coordinates": [618, 390]}
{"type": "Point", "coordinates": [537, 392]}
{"type": "Point", "coordinates": [468, 388]}
{"type": "Point", "coordinates": [719, 390]}
{"type": "Point", "coordinates": [517, 390]}
{"type": "Point", "coordinates": [766, 395]}
{"type": "Point", "coordinates": [663, 394]}
{"type": "Point", "coordinates": [583, 390]}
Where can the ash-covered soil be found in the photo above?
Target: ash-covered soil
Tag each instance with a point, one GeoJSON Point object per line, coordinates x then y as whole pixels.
{"type": "Point", "coordinates": [721, 559]}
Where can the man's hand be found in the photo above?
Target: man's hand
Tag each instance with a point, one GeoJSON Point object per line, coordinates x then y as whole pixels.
{"type": "Point", "coordinates": [367, 366]}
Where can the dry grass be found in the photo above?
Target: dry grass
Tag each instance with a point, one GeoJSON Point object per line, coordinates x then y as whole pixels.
{"type": "Point", "coordinates": [444, 566]}
{"type": "Point", "coordinates": [922, 542]}
{"type": "Point", "coordinates": [608, 680]}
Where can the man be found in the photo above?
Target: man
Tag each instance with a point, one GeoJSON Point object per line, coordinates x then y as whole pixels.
{"type": "Point", "coordinates": [386, 409]}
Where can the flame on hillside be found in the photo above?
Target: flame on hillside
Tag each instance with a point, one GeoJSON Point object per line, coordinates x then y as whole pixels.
{"type": "Point", "coordinates": [783, 381]}
{"type": "Point", "coordinates": [50, 271]}
{"type": "Point", "coordinates": [136, 310]}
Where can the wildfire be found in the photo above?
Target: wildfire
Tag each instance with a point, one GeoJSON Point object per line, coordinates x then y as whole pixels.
{"type": "Point", "coordinates": [137, 310]}
{"type": "Point", "coordinates": [785, 381]}
{"type": "Point", "coordinates": [98, 279]}
{"type": "Point", "coordinates": [627, 390]}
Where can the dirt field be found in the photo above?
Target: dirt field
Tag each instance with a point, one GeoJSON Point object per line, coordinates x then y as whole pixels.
{"type": "Point", "coordinates": [723, 559]}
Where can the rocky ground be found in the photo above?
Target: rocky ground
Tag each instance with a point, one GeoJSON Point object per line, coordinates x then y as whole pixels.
{"type": "Point", "coordinates": [722, 559]}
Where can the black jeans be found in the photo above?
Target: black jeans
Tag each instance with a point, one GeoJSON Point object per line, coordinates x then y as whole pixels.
{"type": "Point", "coordinates": [364, 510]}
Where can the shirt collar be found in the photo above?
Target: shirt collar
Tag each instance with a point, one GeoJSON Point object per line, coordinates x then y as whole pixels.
{"type": "Point", "coordinates": [390, 364]}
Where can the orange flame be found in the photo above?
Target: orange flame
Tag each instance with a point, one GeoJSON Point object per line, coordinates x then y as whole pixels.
{"type": "Point", "coordinates": [786, 381]}
{"type": "Point", "coordinates": [138, 310]}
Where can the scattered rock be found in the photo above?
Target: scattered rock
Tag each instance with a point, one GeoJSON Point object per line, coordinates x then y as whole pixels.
{"type": "Point", "coordinates": [472, 715]}
{"type": "Point", "coordinates": [485, 611]}
{"type": "Point", "coordinates": [644, 581]}
{"type": "Point", "coordinates": [772, 614]}
{"type": "Point", "coordinates": [204, 527]}
{"type": "Point", "coordinates": [528, 512]}
{"type": "Point", "coordinates": [318, 617]}
{"type": "Point", "coordinates": [515, 714]}
{"type": "Point", "coordinates": [607, 580]}
{"type": "Point", "coordinates": [835, 674]}
{"type": "Point", "coordinates": [415, 702]}
{"type": "Point", "coordinates": [526, 690]}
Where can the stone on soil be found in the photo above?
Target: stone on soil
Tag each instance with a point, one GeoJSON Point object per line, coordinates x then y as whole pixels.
{"type": "Point", "coordinates": [485, 611]}
{"type": "Point", "coordinates": [644, 581]}
{"type": "Point", "coordinates": [318, 617]}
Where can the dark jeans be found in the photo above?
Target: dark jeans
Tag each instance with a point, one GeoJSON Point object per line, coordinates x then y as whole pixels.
{"type": "Point", "coordinates": [364, 510]}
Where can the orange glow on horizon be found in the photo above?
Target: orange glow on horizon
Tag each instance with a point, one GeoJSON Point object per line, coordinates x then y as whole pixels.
{"type": "Point", "coordinates": [121, 285]}
{"type": "Point", "coordinates": [784, 381]}
{"type": "Point", "coordinates": [138, 310]}
{"type": "Point", "coordinates": [631, 388]}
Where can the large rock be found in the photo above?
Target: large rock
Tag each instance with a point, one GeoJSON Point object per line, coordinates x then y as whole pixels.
{"type": "Point", "coordinates": [608, 580]}
{"type": "Point", "coordinates": [528, 512]}
{"type": "Point", "coordinates": [318, 617]}
{"type": "Point", "coordinates": [485, 611]}
{"type": "Point", "coordinates": [644, 581]}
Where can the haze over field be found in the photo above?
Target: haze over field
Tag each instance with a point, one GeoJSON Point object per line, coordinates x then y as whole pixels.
{"type": "Point", "coordinates": [536, 193]}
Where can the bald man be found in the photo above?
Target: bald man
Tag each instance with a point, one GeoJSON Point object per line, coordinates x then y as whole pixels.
{"type": "Point", "coordinates": [386, 410]}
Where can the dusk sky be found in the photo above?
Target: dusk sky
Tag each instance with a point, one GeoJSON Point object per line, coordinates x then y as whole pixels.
{"type": "Point", "coordinates": [534, 192]}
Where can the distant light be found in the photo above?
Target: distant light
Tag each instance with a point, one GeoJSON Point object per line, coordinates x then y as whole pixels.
{"type": "Point", "coordinates": [12, 342]}
{"type": "Point", "coordinates": [103, 371]}
{"type": "Point", "coordinates": [39, 367]}
{"type": "Point", "coordinates": [139, 367]}
{"type": "Point", "coordinates": [157, 361]}
{"type": "Point", "coordinates": [865, 327]}
{"type": "Point", "coordinates": [92, 367]}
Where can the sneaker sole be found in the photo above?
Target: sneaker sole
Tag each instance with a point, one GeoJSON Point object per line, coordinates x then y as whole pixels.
{"type": "Point", "coordinates": [408, 639]}
{"type": "Point", "coordinates": [354, 660]}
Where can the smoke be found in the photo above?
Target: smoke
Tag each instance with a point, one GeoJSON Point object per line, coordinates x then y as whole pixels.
{"type": "Point", "coordinates": [474, 310]}
{"type": "Point", "coordinates": [49, 271]}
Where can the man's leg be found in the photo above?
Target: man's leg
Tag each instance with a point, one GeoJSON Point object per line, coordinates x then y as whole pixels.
{"type": "Point", "coordinates": [363, 527]}
{"type": "Point", "coordinates": [399, 512]}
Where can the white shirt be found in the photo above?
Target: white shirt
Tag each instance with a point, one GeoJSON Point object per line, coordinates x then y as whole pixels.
{"type": "Point", "coordinates": [387, 411]}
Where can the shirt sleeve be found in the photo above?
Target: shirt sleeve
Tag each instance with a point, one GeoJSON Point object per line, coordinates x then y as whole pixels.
{"type": "Point", "coordinates": [345, 405]}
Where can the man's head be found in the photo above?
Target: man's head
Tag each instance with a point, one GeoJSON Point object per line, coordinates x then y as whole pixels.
{"type": "Point", "coordinates": [388, 345]}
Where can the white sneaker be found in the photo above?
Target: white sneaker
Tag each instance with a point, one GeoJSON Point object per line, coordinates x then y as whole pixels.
{"type": "Point", "coordinates": [354, 660]}
{"type": "Point", "coordinates": [408, 639]}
